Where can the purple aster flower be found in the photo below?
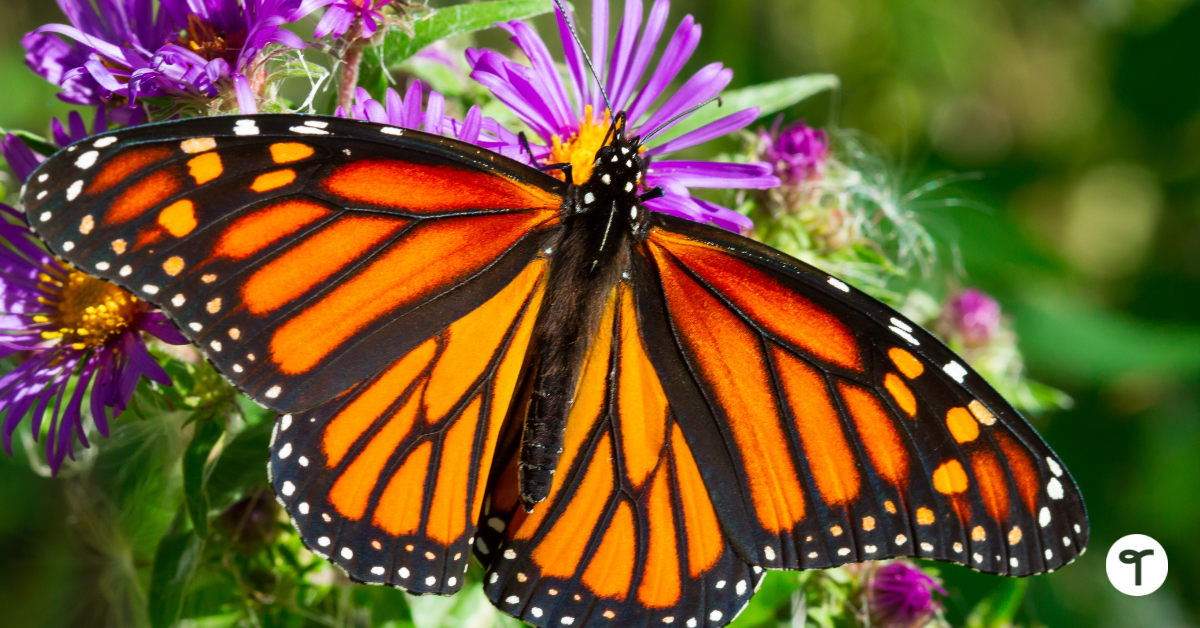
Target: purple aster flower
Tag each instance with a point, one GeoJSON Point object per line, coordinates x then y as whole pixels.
{"type": "Point", "coordinates": [342, 13]}
{"type": "Point", "coordinates": [572, 121]}
{"type": "Point", "coordinates": [121, 50]}
{"type": "Point", "coordinates": [798, 151]}
{"type": "Point", "coordinates": [975, 315]}
{"type": "Point", "coordinates": [901, 596]}
{"type": "Point", "coordinates": [69, 331]}
{"type": "Point", "coordinates": [23, 160]}
{"type": "Point", "coordinates": [407, 112]}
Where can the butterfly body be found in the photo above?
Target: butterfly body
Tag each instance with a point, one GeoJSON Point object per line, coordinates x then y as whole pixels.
{"type": "Point", "coordinates": [601, 218]}
{"type": "Point", "coordinates": [452, 338]}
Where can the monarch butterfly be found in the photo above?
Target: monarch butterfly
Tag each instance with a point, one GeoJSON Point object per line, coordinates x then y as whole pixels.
{"type": "Point", "coordinates": [625, 415]}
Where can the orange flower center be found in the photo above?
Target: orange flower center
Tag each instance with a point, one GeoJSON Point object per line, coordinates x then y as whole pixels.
{"type": "Point", "coordinates": [206, 41]}
{"type": "Point", "coordinates": [88, 311]}
{"type": "Point", "coordinates": [580, 150]}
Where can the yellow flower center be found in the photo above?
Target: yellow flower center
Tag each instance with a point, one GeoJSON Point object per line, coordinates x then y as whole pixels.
{"type": "Point", "coordinates": [580, 150]}
{"type": "Point", "coordinates": [89, 311]}
{"type": "Point", "coordinates": [205, 40]}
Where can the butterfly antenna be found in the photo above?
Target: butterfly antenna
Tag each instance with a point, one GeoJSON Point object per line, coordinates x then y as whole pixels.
{"type": "Point", "coordinates": [583, 51]}
{"type": "Point", "coordinates": [668, 123]}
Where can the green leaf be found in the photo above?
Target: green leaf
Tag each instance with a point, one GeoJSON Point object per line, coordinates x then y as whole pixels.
{"type": "Point", "coordinates": [196, 468]}
{"type": "Point", "coordinates": [242, 465]}
{"type": "Point", "coordinates": [438, 24]}
{"type": "Point", "coordinates": [770, 98]}
{"type": "Point", "coordinates": [175, 563]}
{"type": "Point", "coordinates": [998, 608]}
{"type": "Point", "coordinates": [457, 20]}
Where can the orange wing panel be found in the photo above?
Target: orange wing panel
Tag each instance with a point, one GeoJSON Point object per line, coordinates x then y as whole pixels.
{"type": "Point", "coordinates": [660, 581]}
{"type": "Point", "coordinates": [878, 434]}
{"type": "Point", "coordinates": [141, 196]}
{"type": "Point", "coordinates": [316, 259]}
{"type": "Point", "coordinates": [610, 570]}
{"type": "Point", "coordinates": [399, 510]}
{"type": "Point", "coordinates": [265, 227]}
{"type": "Point", "coordinates": [126, 165]}
{"type": "Point", "coordinates": [448, 514]}
{"type": "Point", "coordinates": [352, 491]}
{"type": "Point", "coordinates": [561, 551]}
{"type": "Point", "coordinates": [767, 301]}
{"type": "Point", "coordinates": [1022, 469]}
{"type": "Point", "coordinates": [642, 402]}
{"type": "Point", "coordinates": [434, 256]}
{"type": "Point", "coordinates": [422, 188]}
{"type": "Point", "coordinates": [825, 446]}
{"type": "Point", "coordinates": [705, 543]}
{"type": "Point", "coordinates": [730, 358]}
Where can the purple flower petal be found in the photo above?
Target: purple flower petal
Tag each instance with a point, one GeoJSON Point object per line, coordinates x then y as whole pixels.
{"type": "Point", "coordinates": [654, 28]}
{"type": "Point", "coordinates": [710, 174]}
{"type": "Point", "coordinates": [705, 84]}
{"type": "Point", "coordinates": [245, 96]}
{"type": "Point", "coordinates": [683, 43]}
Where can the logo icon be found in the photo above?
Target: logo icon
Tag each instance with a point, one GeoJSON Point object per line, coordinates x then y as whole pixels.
{"type": "Point", "coordinates": [1136, 565]}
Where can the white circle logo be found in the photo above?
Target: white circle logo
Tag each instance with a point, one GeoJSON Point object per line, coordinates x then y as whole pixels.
{"type": "Point", "coordinates": [1137, 565]}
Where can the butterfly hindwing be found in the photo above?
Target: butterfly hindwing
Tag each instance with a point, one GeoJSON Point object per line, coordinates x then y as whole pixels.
{"type": "Point", "coordinates": [629, 535]}
{"type": "Point", "coordinates": [388, 479]}
{"type": "Point", "coordinates": [842, 431]}
{"type": "Point", "coordinates": [300, 254]}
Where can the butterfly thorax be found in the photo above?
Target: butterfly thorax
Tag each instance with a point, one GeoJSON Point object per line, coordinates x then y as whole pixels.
{"type": "Point", "coordinates": [601, 218]}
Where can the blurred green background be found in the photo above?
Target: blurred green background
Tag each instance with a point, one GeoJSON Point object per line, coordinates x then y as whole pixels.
{"type": "Point", "coordinates": [1083, 121]}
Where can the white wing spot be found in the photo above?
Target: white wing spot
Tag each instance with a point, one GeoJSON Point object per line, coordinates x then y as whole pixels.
{"type": "Point", "coordinates": [303, 461]}
{"type": "Point", "coordinates": [288, 488]}
{"type": "Point", "coordinates": [769, 552]}
{"type": "Point", "coordinates": [237, 368]}
{"type": "Point", "coordinates": [1054, 489]}
{"type": "Point", "coordinates": [955, 370]}
{"type": "Point", "coordinates": [308, 130]}
{"type": "Point", "coordinates": [403, 572]}
{"type": "Point", "coordinates": [496, 524]}
{"type": "Point", "coordinates": [715, 615]}
{"type": "Point", "coordinates": [42, 177]}
{"type": "Point", "coordinates": [452, 581]}
{"type": "Point", "coordinates": [285, 422]}
{"type": "Point", "coordinates": [87, 160]}
{"type": "Point", "coordinates": [589, 198]}
{"type": "Point", "coordinates": [102, 142]}
{"type": "Point", "coordinates": [905, 335]}
{"type": "Point", "coordinates": [245, 127]}
{"type": "Point", "coordinates": [391, 130]}
{"type": "Point", "coordinates": [493, 578]}
{"type": "Point", "coordinates": [535, 611]}
{"type": "Point", "coordinates": [274, 392]}
{"type": "Point", "coordinates": [41, 195]}
{"type": "Point", "coordinates": [304, 508]}
{"type": "Point", "coordinates": [978, 558]}
{"type": "Point", "coordinates": [629, 186]}
{"type": "Point", "coordinates": [68, 245]}
{"type": "Point", "coordinates": [177, 300]}
{"type": "Point", "coordinates": [901, 539]}
{"type": "Point", "coordinates": [347, 553]}
{"type": "Point", "coordinates": [720, 584]}
{"type": "Point", "coordinates": [148, 288]}
{"type": "Point", "coordinates": [691, 623]}
{"type": "Point", "coordinates": [928, 547]}
{"type": "Point", "coordinates": [510, 554]}
{"type": "Point", "coordinates": [512, 599]}
{"type": "Point", "coordinates": [1054, 468]}
{"type": "Point", "coordinates": [285, 451]}
{"type": "Point", "coordinates": [102, 266]}
{"type": "Point", "coordinates": [567, 621]}
{"type": "Point", "coordinates": [195, 326]}
{"type": "Point", "coordinates": [901, 324]}
{"type": "Point", "coordinates": [482, 547]}
{"type": "Point", "coordinates": [958, 547]}
{"type": "Point", "coordinates": [839, 284]}
{"type": "Point", "coordinates": [606, 179]}
{"type": "Point", "coordinates": [126, 270]}
{"type": "Point", "coordinates": [323, 541]}
{"type": "Point", "coordinates": [378, 571]}
{"type": "Point", "coordinates": [1044, 517]}
{"type": "Point", "coordinates": [1049, 554]}
{"type": "Point", "coordinates": [1013, 561]}
{"type": "Point", "coordinates": [216, 345]}
{"type": "Point", "coordinates": [812, 554]}
{"type": "Point", "coordinates": [740, 587]}
{"type": "Point", "coordinates": [45, 216]}
{"type": "Point", "coordinates": [871, 549]}
{"type": "Point", "coordinates": [430, 580]}
{"type": "Point", "coordinates": [316, 124]}
{"type": "Point", "coordinates": [1066, 541]}
{"type": "Point", "coordinates": [844, 551]}
{"type": "Point", "coordinates": [1077, 530]}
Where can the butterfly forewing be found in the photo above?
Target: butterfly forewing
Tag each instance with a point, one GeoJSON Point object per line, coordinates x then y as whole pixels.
{"type": "Point", "coordinates": [301, 255]}
{"type": "Point", "coordinates": [853, 434]}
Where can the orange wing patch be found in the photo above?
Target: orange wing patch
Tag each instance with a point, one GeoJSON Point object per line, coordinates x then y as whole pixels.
{"type": "Point", "coordinates": [435, 256]}
{"type": "Point", "coordinates": [256, 231]}
{"type": "Point", "coordinates": [420, 188]}
{"type": "Point", "coordinates": [660, 581]}
{"type": "Point", "coordinates": [730, 358]}
{"type": "Point", "coordinates": [767, 301]}
{"type": "Point", "coordinates": [141, 196]}
{"type": "Point", "coordinates": [642, 403]}
{"type": "Point", "coordinates": [127, 164]}
{"type": "Point", "coordinates": [610, 571]}
{"type": "Point", "coordinates": [878, 434]}
{"type": "Point", "coordinates": [561, 551]}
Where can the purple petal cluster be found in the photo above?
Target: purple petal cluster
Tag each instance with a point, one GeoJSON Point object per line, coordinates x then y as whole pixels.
{"type": "Point", "coordinates": [570, 116]}
{"type": "Point", "coordinates": [975, 315]}
{"type": "Point", "coordinates": [901, 596]}
{"type": "Point", "coordinates": [116, 52]}
{"type": "Point", "coordinates": [341, 14]}
{"type": "Point", "coordinates": [797, 151]}
{"type": "Point", "coordinates": [407, 112]}
{"type": "Point", "coordinates": [71, 333]}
